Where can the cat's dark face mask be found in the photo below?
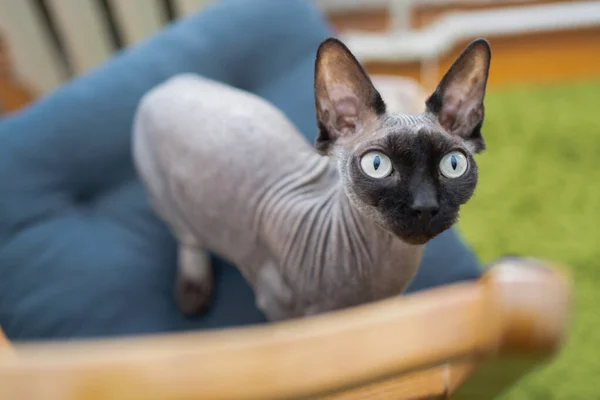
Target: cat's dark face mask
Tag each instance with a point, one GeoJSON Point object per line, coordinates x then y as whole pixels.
{"type": "Point", "coordinates": [409, 173]}
{"type": "Point", "coordinates": [412, 183]}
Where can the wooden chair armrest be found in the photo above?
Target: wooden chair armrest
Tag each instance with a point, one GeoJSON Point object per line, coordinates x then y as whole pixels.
{"type": "Point", "coordinates": [470, 339]}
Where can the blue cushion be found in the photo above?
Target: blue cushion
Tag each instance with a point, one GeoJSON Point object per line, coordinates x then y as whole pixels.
{"type": "Point", "coordinates": [81, 252]}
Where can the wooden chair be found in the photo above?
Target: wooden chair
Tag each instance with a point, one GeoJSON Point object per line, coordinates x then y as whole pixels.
{"type": "Point", "coordinates": [465, 341]}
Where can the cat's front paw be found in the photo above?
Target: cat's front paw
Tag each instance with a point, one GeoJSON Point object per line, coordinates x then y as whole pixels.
{"type": "Point", "coordinates": [193, 296]}
{"type": "Point", "coordinates": [194, 281]}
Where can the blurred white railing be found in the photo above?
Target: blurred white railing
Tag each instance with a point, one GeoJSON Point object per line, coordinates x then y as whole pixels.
{"type": "Point", "coordinates": [440, 36]}
{"type": "Point", "coordinates": [400, 10]}
{"type": "Point", "coordinates": [349, 5]}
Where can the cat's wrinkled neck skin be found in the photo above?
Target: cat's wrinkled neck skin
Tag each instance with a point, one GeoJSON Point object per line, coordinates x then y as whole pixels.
{"type": "Point", "coordinates": [322, 235]}
{"type": "Point", "coordinates": [392, 261]}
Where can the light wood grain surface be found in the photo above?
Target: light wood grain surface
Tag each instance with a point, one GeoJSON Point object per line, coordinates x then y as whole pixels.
{"type": "Point", "coordinates": [421, 344]}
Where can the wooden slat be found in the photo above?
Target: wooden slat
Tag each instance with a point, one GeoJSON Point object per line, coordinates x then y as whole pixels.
{"type": "Point", "coordinates": [35, 59]}
{"type": "Point", "coordinates": [517, 310]}
{"type": "Point", "coordinates": [13, 94]}
{"type": "Point", "coordinates": [424, 384]}
{"type": "Point", "coordinates": [430, 383]}
{"type": "Point", "coordinates": [137, 18]}
{"type": "Point", "coordinates": [86, 37]}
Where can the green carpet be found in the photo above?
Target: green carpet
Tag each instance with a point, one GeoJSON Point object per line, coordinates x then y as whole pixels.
{"type": "Point", "coordinates": [539, 195]}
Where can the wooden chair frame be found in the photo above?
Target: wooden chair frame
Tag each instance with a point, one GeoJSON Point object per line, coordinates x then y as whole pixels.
{"type": "Point", "coordinates": [466, 340]}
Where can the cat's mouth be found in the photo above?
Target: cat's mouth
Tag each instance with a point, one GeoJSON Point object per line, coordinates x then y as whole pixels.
{"type": "Point", "coordinates": [418, 238]}
{"type": "Point", "coordinates": [419, 232]}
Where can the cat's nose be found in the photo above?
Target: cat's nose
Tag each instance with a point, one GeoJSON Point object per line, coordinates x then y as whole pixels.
{"type": "Point", "coordinates": [425, 209]}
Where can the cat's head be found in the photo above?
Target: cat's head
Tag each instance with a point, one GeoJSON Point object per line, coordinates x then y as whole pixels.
{"type": "Point", "coordinates": [409, 173]}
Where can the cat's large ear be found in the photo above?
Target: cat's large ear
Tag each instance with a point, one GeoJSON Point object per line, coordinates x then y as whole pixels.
{"type": "Point", "coordinates": [345, 98]}
{"type": "Point", "coordinates": [457, 102]}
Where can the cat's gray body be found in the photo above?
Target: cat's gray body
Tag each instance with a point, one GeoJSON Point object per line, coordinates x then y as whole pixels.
{"type": "Point", "coordinates": [312, 228]}
{"type": "Point", "coordinates": [230, 174]}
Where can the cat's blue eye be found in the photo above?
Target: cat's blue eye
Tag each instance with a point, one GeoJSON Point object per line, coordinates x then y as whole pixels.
{"type": "Point", "coordinates": [376, 165]}
{"type": "Point", "coordinates": [454, 164]}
